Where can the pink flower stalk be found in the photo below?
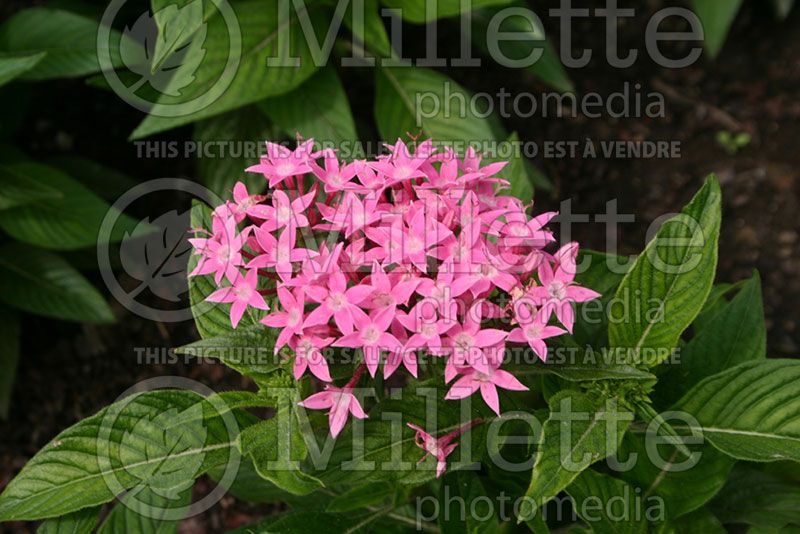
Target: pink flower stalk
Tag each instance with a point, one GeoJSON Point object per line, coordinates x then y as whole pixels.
{"type": "Point", "coordinates": [415, 251]}
{"type": "Point", "coordinates": [439, 448]}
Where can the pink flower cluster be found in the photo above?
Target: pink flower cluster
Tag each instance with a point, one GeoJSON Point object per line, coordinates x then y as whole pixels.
{"type": "Point", "coordinates": [412, 253]}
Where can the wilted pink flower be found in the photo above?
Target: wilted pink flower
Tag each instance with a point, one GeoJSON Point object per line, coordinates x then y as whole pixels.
{"type": "Point", "coordinates": [439, 448]}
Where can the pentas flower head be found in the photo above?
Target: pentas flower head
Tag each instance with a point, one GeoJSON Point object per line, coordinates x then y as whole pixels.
{"type": "Point", "coordinates": [415, 253]}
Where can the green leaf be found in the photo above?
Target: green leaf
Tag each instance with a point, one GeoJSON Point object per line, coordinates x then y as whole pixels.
{"type": "Point", "coordinates": [415, 10]}
{"type": "Point", "coordinates": [41, 282]}
{"type": "Point", "coordinates": [69, 40]}
{"type": "Point", "coordinates": [529, 36]}
{"type": "Point", "coordinates": [276, 446]}
{"type": "Point", "coordinates": [461, 488]}
{"type": "Point", "coordinates": [734, 335]}
{"type": "Point", "coordinates": [18, 188]}
{"type": "Point", "coordinates": [146, 512]}
{"type": "Point", "coordinates": [373, 34]}
{"type": "Point", "coordinates": [666, 287]}
{"type": "Point", "coordinates": [705, 474]}
{"type": "Point", "coordinates": [757, 498]}
{"type": "Point", "coordinates": [361, 497]}
{"type": "Point", "coordinates": [602, 273]}
{"type": "Point", "coordinates": [13, 64]}
{"type": "Point", "coordinates": [248, 350]}
{"type": "Point", "coordinates": [698, 521]}
{"type": "Point", "coordinates": [314, 521]}
{"type": "Point", "coordinates": [408, 100]}
{"type": "Point", "coordinates": [132, 443]}
{"type": "Point", "coordinates": [69, 222]}
{"type": "Point", "coordinates": [382, 448]}
{"type": "Point", "coordinates": [591, 427]}
{"type": "Point", "coordinates": [318, 109]}
{"type": "Point", "coordinates": [212, 319]}
{"type": "Point", "coordinates": [109, 184]}
{"type": "Point", "coordinates": [80, 522]}
{"type": "Point", "coordinates": [9, 356]}
{"type": "Point", "coordinates": [617, 512]}
{"type": "Point", "coordinates": [716, 16]}
{"type": "Point", "coordinates": [515, 172]}
{"type": "Point", "coordinates": [782, 7]}
{"type": "Point", "coordinates": [246, 128]}
{"type": "Point", "coordinates": [177, 23]}
{"type": "Point", "coordinates": [264, 36]}
{"type": "Point", "coordinates": [751, 411]}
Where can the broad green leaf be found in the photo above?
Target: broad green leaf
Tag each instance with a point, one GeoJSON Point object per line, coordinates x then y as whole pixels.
{"type": "Point", "coordinates": [517, 52]}
{"type": "Point", "coordinates": [277, 447]}
{"type": "Point", "coordinates": [43, 283]}
{"type": "Point", "coordinates": [716, 17]}
{"type": "Point", "coordinates": [18, 188]}
{"type": "Point", "coordinates": [759, 499]}
{"type": "Point", "coordinates": [212, 319]}
{"type": "Point", "coordinates": [132, 443]}
{"type": "Point", "coordinates": [243, 132]}
{"type": "Point", "coordinates": [13, 64]}
{"type": "Point", "coordinates": [667, 474]}
{"type": "Point", "coordinates": [9, 356]}
{"type": "Point", "coordinates": [700, 520]}
{"type": "Point", "coordinates": [146, 512]}
{"type": "Point", "coordinates": [715, 303]}
{"type": "Point", "coordinates": [603, 273]}
{"type": "Point", "coordinates": [751, 411]}
{"type": "Point", "coordinates": [480, 515]}
{"type": "Point", "coordinates": [416, 11]}
{"type": "Point", "coordinates": [69, 39]}
{"type": "Point", "coordinates": [592, 368]}
{"type": "Point", "coordinates": [318, 109]}
{"type": "Point", "coordinates": [382, 448]}
{"type": "Point", "coordinates": [248, 350]}
{"type": "Point", "coordinates": [109, 184]}
{"type": "Point", "coordinates": [579, 432]}
{"type": "Point", "coordinates": [69, 222]}
{"type": "Point", "coordinates": [410, 100]}
{"type": "Point", "coordinates": [315, 521]}
{"type": "Point", "coordinates": [734, 335]}
{"type": "Point", "coordinates": [80, 522]}
{"type": "Point", "coordinates": [177, 23]}
{"type": "Point", "coordinates": [782, 7]}
{"type": "Point", "coordinates": [666, 287]}
{"type": "Point", "coordinates": [516, 173]}
{"type": "Point", "coordinates": [361, 497]}
{"type": "Point", "coordinates": [618, 511]}
{"type": "Point", "coordinates": [373, 33]}
{"type": "Point", "coordinates": [264, 36]}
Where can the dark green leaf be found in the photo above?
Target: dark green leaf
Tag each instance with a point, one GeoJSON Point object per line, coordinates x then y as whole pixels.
{"type": "Point", "coordinates": [147, 512]}
{"type": "Point", "coordinates": [132, 443]}
{"type": "Point", "coordinates": [416, 10]}
{"type": "Point", "coordinates": [716, 17]}
{"type": "Point", "coordinates": [751, 411]}
{"type": "Point", "coordinates": [593, 428]}
{"type": "Point", "coordinates": [666, 287]}
{"type": "Point", "coordinates": [617, 511]}
{"type": "Point", "coordinates": [759, 499]}
{"type": "Point", "coordinates": [41, 282]}
{"type": "Point", "coordinates": [318, 109]}
{"type": "Point", "coordinates": [13, 64]}
{"type": "Point", "coordinates": [9, 356]}
{"type": "Point", "coordinates": [80, 522]}
{"type": "Point", "coordinates": [262, 31]}
{"type": "Point", "coordinates": [69, 39]}
{"type": "Point", "coordinates": [361, 497]}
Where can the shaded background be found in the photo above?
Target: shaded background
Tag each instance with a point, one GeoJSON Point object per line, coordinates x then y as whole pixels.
{"type": "Point", "coordinates": [69, 371]}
